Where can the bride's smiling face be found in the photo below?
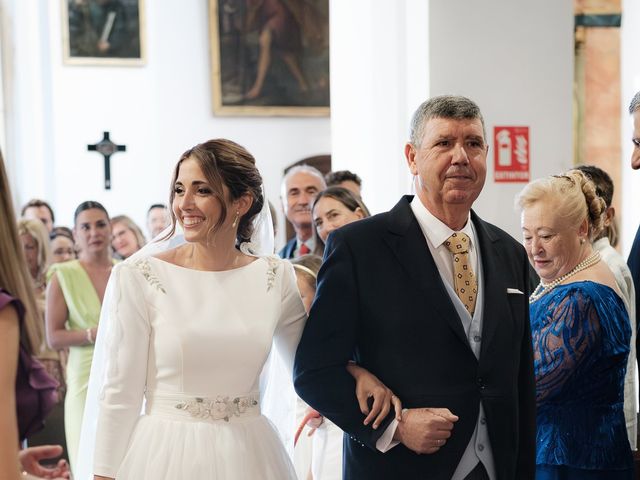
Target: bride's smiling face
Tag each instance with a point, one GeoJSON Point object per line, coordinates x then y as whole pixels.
{"type": "Point", "coordinates": [195, 204]}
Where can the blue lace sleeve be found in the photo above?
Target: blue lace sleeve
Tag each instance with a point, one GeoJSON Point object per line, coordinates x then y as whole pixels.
{"type": "Point", "coordinates": [564, 340]}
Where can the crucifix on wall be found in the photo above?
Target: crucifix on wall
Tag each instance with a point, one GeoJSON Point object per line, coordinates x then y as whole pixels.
{"type": "Point", "coordinates": [107, 148]}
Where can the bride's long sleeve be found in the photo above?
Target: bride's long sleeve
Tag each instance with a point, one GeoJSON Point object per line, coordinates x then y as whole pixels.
{"type": "Point", "coordinates": [292, 318]}
{"type": "Point", "coordinates": [126, 370]}
{"type": "Point", "coordinates": [278, 398]}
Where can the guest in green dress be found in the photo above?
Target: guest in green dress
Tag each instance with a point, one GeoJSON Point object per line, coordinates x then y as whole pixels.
{"type": "Point", "coordinates": [74, 299]}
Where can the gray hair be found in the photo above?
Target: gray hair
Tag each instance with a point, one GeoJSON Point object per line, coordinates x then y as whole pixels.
{"type": "Point", "coordinates": [445, 106]}
{"type": "Point", "coordinates": [303, 168]}
{"type": "Point", "coordinates": [634, 106]}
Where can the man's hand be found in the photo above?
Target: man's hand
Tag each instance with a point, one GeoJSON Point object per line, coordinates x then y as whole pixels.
{"type": "Point", "coordinates": [30, 461]}
{"type": "Point", "coordinates": [425, 430]}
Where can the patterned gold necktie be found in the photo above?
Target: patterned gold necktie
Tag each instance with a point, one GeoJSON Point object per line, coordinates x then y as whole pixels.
{"type": "Point", "coordinates": [464, 280]}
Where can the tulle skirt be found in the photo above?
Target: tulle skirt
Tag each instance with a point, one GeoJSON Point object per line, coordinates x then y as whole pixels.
{"type": "Point", "coordinates": [243, 448]}
{"type": "Point", "coordinates": [327, 452]}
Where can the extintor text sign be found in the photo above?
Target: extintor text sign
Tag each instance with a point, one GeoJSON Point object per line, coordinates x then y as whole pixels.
{"type": "Point", "coordinates": [511, 154]}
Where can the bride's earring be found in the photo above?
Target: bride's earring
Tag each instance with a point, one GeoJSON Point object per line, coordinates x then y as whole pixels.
{"type": "Point", "coordinates": [235, 220]}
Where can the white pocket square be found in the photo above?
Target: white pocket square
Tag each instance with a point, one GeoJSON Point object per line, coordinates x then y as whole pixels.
{"type": "Point", "coordinates": [515, 290]}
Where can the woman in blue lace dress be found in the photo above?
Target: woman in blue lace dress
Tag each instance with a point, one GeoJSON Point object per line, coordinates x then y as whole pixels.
{"type": "Point", "coordinates": [581, 335]}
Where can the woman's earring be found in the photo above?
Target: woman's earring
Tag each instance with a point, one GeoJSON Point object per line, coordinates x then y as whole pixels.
{"type": "Point", "coordinates": [235, 220]}
{"type": "Point", "coordinates": [582, 241]}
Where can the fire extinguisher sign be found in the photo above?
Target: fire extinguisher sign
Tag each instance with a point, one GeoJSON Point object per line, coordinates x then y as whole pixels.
{"type": "Point", "coordinates": [511, 154]}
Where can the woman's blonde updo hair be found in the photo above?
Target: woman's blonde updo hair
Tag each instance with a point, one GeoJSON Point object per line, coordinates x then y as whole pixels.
{"type": "Point", "coordinates": [574, 196]}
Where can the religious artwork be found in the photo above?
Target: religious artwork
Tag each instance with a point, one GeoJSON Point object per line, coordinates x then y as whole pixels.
{"type": "Point", "coordinates": [270, 57]}
{"type": "Point", "coordinates": [103, 32]}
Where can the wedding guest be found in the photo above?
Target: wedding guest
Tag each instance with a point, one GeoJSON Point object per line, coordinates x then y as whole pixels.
{"type": "Point", "coordinates": [633, 261]}
{"type": "Point", "coordinates": [74, 299]}
{"type": "Point", "coordinates": [27, 390]}
{"type": "Point", "coordinates": [127, 237]}
{"type": "Point", "coordinates": [333, 208]}
{"type": "Point", "coordinates": [37, 209]}
{"type": "Point", "coordinates": [345, 179]}
{"type": "Point", "coordinates": [35, 243]}
{"type": "Point", "coordinates": [300, 185]}
{"type": "Point", "coordinates": [35, 246]}
{"type": "Point", "coordinates": [157, 219]}
{"type": "Point", "coordinates": [581, 334]}
{"type": "Point", "coordinates": [62, 245]}
{"type": "Point", "coordinates": [605, 243]}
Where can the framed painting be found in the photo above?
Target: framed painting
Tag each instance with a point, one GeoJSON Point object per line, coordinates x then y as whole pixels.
{"type": "Point", "coordinates": [270, 57]}
{"type": "Point", "coordinates": [103, 32]}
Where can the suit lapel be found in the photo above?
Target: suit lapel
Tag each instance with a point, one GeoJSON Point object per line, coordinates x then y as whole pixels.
{"type": "Point", "coordinates": [407, 242]}
{"type": "Point", "coordinates": [291, 247]}
{"type": "Point", "coordinates": [494, 296]}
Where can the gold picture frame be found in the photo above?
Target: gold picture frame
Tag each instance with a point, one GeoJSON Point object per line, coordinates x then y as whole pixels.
{"type": "Point", "coordinates": [103, 32]}
{"type": "Point", "coordinates": [269, 57]}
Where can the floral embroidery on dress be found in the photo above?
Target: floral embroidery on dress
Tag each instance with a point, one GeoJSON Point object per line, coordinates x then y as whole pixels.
{"type": "Point", "coordinates": [220, 408]}
{"type": "Point", "coordinates": [145, 268]}
{"type": "Point", "coordinates": [273, 262]}
{"type": "Point", "coordinates": [250, 249]}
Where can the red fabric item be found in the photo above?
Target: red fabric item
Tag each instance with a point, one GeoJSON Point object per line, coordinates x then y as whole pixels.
{"type": "Point", "coordinates": [304, 249]}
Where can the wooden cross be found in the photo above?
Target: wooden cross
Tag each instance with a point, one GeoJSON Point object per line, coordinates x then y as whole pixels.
{"type": "Point", "coordinates": [107, 148]}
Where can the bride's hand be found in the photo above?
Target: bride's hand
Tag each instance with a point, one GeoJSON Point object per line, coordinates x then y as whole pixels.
{"type": "Point", "coordinates": [314, 420]}
{"type": "Point", "coordinates": [367, 386]}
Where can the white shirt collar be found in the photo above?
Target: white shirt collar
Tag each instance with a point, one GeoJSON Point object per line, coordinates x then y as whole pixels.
{"type": "Point", "coordinates": [601, 243]}
{"type": "Point", "coordinates": [434, 229]}
{"type": "Point", "coordinates": [311, 243]}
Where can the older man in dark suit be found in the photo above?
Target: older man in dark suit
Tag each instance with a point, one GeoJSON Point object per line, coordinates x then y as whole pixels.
{"type": "Point", "coordinates": [300, 186]}
{"type": "Point", "coordinates": [434, 301]}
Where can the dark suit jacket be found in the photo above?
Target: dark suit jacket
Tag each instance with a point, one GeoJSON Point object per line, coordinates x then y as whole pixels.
{"type": "Point", "coordinates": [287, 251]}
{"type": "Point", "coordinates": [381, 300]}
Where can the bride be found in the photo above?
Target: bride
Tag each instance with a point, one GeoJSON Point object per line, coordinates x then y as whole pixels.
{"type": "Point", "coordinates": [189, 330]}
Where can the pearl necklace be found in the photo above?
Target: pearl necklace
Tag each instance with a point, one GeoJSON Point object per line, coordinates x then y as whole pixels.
{"type": "Point", "coordinates": [542, 289]}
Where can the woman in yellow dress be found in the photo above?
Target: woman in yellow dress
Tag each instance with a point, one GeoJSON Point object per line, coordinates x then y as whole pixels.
{"type": "Point", "coordinates": [74, 299]}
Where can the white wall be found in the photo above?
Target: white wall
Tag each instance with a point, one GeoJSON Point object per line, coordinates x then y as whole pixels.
{"type": "Point", "coordinates": [630, 73]}
{"type": "Point", "coordinates": [158, 111]}
{"type": "Point", "coordinates": [515, 59]}
{"type": "Point", "coordinates": [379, 74]}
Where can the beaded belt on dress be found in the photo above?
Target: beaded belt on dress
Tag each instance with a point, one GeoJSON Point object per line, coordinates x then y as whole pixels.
{"type": "Point", "coordinates": [201, 408]}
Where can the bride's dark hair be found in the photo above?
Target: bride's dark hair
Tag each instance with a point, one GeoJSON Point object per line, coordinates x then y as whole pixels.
{"type": "Point", "coordinates": [224, 163]}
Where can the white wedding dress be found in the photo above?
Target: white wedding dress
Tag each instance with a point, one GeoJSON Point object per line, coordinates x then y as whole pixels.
{"type": "Point", "coordinates": [193, 344]}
